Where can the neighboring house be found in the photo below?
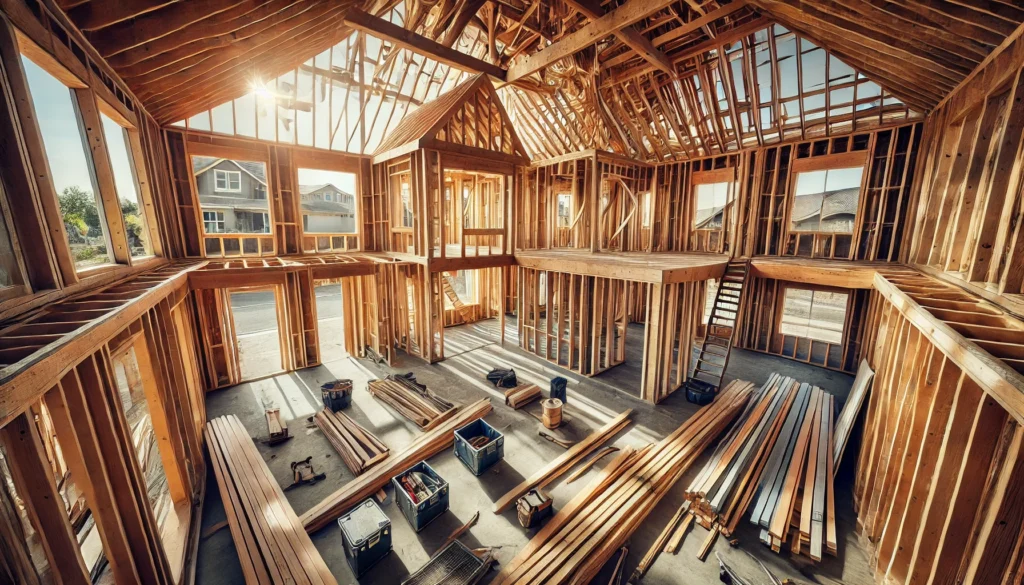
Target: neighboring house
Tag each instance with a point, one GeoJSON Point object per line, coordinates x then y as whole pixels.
{"type": "Point", "coordinates": [709, 218]}
{"type": "Point", "coordinates": [232, 195]}
{"type": "Point", "coordinates": [832, 212]}
{"type": "Point", "coordinates": [327, 209]}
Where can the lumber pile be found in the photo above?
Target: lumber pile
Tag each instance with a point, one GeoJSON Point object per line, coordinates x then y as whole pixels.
{"type": "Point", "coordinates": [776, 462]}
{"type": "Point", "coordinates": [794, 502]}
{"type": "Point", "coordinates": [366, 485]}
{"type": "Point", "coordinates": [522, 395]}
{"type": "Point", "coordinates": [592, 527]}
{"type": "Point", "coordinates": [358, 447]}
{"type": "Point", "coordinates": [272, 546]}
{"type": "Point", "coordinates": [413, 400]}
{"type": "Point", "coordinates": [565, 461]}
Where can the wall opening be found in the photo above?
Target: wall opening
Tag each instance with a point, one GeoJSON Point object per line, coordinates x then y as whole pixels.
{"type": "Point", "coordinates": [257, 337]}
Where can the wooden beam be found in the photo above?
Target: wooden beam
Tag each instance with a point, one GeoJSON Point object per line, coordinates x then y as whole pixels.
{"type": "Point", "coordinates": [103, 13]}
{"type": "Point", "coordinates": [612, 22]}
{"type": "Point", "coordinates": [160, 23]}
{"type": "Point", "coordinates": [408, 39]}
{"type": "Point", "coordinates": [629, 36]}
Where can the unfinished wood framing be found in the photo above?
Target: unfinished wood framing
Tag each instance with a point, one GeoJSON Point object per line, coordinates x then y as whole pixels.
{"type": "Point", "coordinates": [584, 167]}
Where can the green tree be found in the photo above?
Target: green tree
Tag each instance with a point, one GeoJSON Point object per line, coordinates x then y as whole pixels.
{"type": "Point", "coordinates": [78, 206]}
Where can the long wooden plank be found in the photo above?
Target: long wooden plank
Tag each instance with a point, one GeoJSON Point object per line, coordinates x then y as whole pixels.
{"type": "Point", "coordinates": [564, 462]}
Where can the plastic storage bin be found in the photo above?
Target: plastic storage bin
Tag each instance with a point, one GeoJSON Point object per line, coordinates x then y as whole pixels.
{"type": "Point", "coordinates": [366, 536]}
{"type": "Point", "coordinates": [419, 514]}
{"type": "Point", "coordinates": [478, 460]}
{"type": "Point", "coordinates": [337, 394]}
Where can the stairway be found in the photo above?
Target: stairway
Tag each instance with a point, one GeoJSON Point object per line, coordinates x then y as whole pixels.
{"type": "Point", "coordinates": [714, 351]}
{"type": "Point", "coordinates": [449, 291]}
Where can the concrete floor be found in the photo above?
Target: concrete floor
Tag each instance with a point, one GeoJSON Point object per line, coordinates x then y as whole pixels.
{"type": "Point", "coordinates": [472, 350]}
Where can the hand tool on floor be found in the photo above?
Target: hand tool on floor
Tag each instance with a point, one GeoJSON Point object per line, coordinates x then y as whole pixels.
{"type": "Point", "coordinates": [303, 473]}
{"type": "Point", "coordinates": [561, 443]}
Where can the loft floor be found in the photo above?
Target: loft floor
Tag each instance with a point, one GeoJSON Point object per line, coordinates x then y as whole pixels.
{"type": "Point", "coordinates": [657, 267]}
{"type": "Point", "coordinates": [473, 350]}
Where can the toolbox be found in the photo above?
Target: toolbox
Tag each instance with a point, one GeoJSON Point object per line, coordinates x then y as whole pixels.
{"type": "Point", "coordinates": [479, 458]}
{"type": "Point", "coordinates": [431, 504]}
{"type": "Point", "coordinates": [337, 394]}
{"type": "Point", "coordinates": [366, 536]}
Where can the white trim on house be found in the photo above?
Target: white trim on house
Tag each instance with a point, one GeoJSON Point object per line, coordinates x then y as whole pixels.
{"type": "Point", "coordinates": [228, 177]}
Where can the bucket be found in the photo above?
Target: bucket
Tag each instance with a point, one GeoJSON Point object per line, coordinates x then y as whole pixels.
{"type": "Point", "coordinates": [552, 412]}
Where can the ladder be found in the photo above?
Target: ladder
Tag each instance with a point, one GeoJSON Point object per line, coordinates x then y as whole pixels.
{"type": "Point", "coordinates": [449, 290]}
{"type": "Point", "coordinates": [714, 351]}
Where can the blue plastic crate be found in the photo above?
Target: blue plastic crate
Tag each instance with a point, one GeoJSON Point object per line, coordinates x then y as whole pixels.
{"type": "Point", "coordinates": [478, 460]}
{"type": "Point", "coordinates": [419, 514]}
{"type": "Point", "coordinates": [366, 536]}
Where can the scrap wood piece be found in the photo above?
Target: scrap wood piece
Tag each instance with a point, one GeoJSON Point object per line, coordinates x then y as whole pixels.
{"type": "Point", "coordinates": [271, 545]}
{"type": "Point", "coordinates": [458, 532]}
{"type": "Point", "coordinates": [276, 430]}
{"type": "Point", "coordinates": [672, 546]}
{"type": "Point", "coordinates": [709, 543]}
{"type": "Point", "coordinates": [659, 543]}
{"type": "Point", "coordinates": [423, 447]}
{"type": "Point", "coordinates": [590, 463]}
{"type": "Point", "coordinates": [358, 447]}
{"type": "Point", "coordinates": [562, 463]}
{"type": "Point", "coordinates": [585, 533]}
{"type": "Point", "coordinates": [522, 395]}
{"type": "Point", "coordinates": [412, 400]}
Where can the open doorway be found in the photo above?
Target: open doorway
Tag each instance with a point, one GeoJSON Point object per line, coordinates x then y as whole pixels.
{"type": "Point", "coordinates": [257, 332]}
{"type": "Point", "coordinates": [330, 320]}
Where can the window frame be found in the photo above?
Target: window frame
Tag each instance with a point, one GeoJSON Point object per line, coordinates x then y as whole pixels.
{"type": "Point", "coordinates": [813, 290]}
{"type": "Point", "coordinates": [90, 108]}
{"type": "Point", "coordinates": [827, 244]}
{"type": "Point", "coordinates": [337, 163]}
{"type": "Point", "coordinates": [217, 173]}
{"type": "Point", "coordinates": [266, 243]}
{"type": "Point", "coordinates": [136, 152]}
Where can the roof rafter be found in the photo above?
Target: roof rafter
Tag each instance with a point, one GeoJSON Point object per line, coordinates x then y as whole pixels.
{"type": "Point", "coordinates": [407, 39]}
{"type": "Point", "coordinates": [624, 16]}
{"type": "Point", "coordinates": [629, 36]}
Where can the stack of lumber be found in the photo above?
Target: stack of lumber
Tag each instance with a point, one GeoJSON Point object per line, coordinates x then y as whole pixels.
{"type": "Point", "coordinates": [359, 449]}
{"type": "Point", "coordinates": [521, 395]}
{"type": "Point", "coordinates": [369, 483]}
{"type": "Point", "coordinates": [794, 500]}
{"type": "Point", "coordinates": [272, 546]}
{"type": "Point", "coordinates": [588, 531]}
{"type": "Point", "coordinates": [414, 401]}
{"type": "Point", "coordinates": [564, 462]}
{"type": "Point", "coordinates": [773, 463]}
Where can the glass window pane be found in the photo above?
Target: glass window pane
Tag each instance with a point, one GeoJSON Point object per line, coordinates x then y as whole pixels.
{"type": "Point", "coordinates": [711, 201]}
{"type": "Point", "coordinates": [816, 315]}
{"type": "Point", "coordinates": [232, 195]}
{"type": "Point", "coordinates": [328, 201]}
{"type": "Point", "coordinates": [127, 188]}
{"type": "Point", "coordinates": [70, 168]}
{"type": "Point", "coordinates": [826, 201]}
